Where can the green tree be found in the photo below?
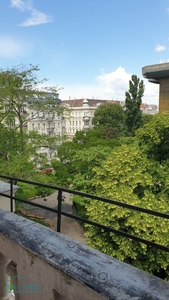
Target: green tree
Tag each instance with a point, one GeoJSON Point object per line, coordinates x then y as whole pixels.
{"type": "Point", "coordinates": [147, 118]}
{"type": "Point", "coordinates": [133, 100]}
{"type": "Point", "coordinates": [19, 88]}
{"type": "Point", "coordinates": [9, 143]}
{"type": "Point", "coordinates": [153, 138]}
{"type": "Point", "coordinates": [75, 158]}
{"type": "Point", "coordinates": [19, 91]}
{"type": "Point", "coordinates": [83, 163]}
{"type": "Point", "coordinates": [128, 176]}
{"type": "Point", "coordinates": [12, 162]}
{"type": "Point", "coordinates": [110, 116]}
{"type": "Point", "coordinates": [100, 135]}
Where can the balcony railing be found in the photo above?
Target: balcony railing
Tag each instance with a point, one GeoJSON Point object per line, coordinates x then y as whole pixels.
{"type": "Point", "coordinates": [61, 213]}
{"type": "Point", "coordinates": [54, 266]}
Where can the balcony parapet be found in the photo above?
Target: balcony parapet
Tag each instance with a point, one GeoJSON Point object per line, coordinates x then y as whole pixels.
{"type": "Point", "coordinates": [65, 269]}
{"type": "Point", "coordinates": [86, 118]}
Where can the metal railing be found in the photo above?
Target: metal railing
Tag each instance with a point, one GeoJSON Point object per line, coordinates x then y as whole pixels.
{"type": "Point", "coordinates": [61, 213]}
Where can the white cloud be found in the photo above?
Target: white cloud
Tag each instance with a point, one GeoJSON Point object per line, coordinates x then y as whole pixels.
{"type": "Point", "coordinates": [36, 17]}
{"type": "Point", "coordinates": [163, 61]}
{"type": "Point", "coordinates": [10, 47]}
{"type": "Point", "coordinates": [110, 86]}
{"type": "Point", "coordinates": [160, 48]}
{"type": "Point", "coordinates": [114, 84]}
{"type": "Point", "coordinates": [151, 93]}
{"type": "Point", "coordinates": [19, 4]}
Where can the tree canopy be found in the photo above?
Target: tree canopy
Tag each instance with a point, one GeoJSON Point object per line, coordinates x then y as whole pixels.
{"type": "Point", "coordinates": [110, 116]}
{"type": "Point", "coordinates": [20, 87]}
{"type": "Point", "coordinates": [154, 137]}
{"type": "Point", "coordinates": [127, 175]}
{"type": "Point", "coordinates": [131, 171]}
{"type": "Point", "coordinates": [19, 91]}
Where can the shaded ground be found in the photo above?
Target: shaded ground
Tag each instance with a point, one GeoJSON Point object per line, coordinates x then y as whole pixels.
{"type": "Point", "coordinates": [69, 226]}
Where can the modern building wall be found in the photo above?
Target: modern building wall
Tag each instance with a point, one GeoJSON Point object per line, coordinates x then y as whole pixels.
{"type": "Point", "coordinates": [159, 74]}
{"type": "Point", "coordinates": [164, 95]}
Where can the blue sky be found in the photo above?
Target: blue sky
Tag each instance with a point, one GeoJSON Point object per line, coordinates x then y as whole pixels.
{"type": "Point", "coordinates": [89, 47]}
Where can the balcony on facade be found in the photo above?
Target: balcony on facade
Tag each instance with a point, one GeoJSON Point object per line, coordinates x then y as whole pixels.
{"type": "Point", "coordinates": [50, 130]}
{"type": "Point", "coordinates": [42, 264]}
{"type": "Point", "coordinates": [86, 118]}
{"type": "Point", "coordinates": [86, 126]}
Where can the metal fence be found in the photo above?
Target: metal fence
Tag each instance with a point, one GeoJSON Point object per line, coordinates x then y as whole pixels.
{"type": "Point", "coordinates": [61, 213]}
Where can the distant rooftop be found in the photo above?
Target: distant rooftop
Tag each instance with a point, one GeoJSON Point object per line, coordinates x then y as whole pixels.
{"type": "Point", "coordinates": [90, 102]}
{"type": "Point", "coordinates": [45, 97]}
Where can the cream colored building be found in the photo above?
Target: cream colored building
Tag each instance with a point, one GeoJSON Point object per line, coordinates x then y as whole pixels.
{"type": "Point", "coordinates": [81, 114]}
{"type": "Point", "coordinates": [45, 122]}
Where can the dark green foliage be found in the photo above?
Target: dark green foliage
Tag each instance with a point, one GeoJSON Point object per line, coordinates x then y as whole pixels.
{"type": "Point", "coordinates": [133, 100]}
{"type": "Point", "coordinates": [109, 116]}
{"type": "Point", "coordinates": [63, 173]}
{"type": "Point", "coordinates": [146, 118]}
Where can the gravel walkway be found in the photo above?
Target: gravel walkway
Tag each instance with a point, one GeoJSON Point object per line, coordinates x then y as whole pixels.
{"type": "Point", "coordinates": [69, 226]}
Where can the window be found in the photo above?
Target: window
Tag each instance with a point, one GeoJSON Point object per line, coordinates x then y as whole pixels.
{"type": "Point", "coordinates": [38, 125]}
{"type": "Point", "coordinates": [33, 126]}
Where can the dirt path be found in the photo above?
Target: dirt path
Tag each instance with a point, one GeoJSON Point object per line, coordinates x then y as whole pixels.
{"type": "Point", "coordinates": [69, 226]}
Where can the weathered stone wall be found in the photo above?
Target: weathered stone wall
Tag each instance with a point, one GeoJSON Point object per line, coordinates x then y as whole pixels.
{"type": "Point", "coordinates": [65, 269]}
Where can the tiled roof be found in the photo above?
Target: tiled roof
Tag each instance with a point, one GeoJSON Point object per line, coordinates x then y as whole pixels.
{"type": "Point", "coordinates": [91, 102]}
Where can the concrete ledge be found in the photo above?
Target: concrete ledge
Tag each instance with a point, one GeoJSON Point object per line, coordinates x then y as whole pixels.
{"type": "Point", "coordinates": [155, 72]}
{"type": "Point", "coordinates": [72, 270]}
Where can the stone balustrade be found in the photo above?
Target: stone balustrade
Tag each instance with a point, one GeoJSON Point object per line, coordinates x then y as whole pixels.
{"type": "Point", "coordinates": [46, 265]}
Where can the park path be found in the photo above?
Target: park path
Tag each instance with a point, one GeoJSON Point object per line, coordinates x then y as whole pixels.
{"type": "Point", "coordinates": [69, 226]}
